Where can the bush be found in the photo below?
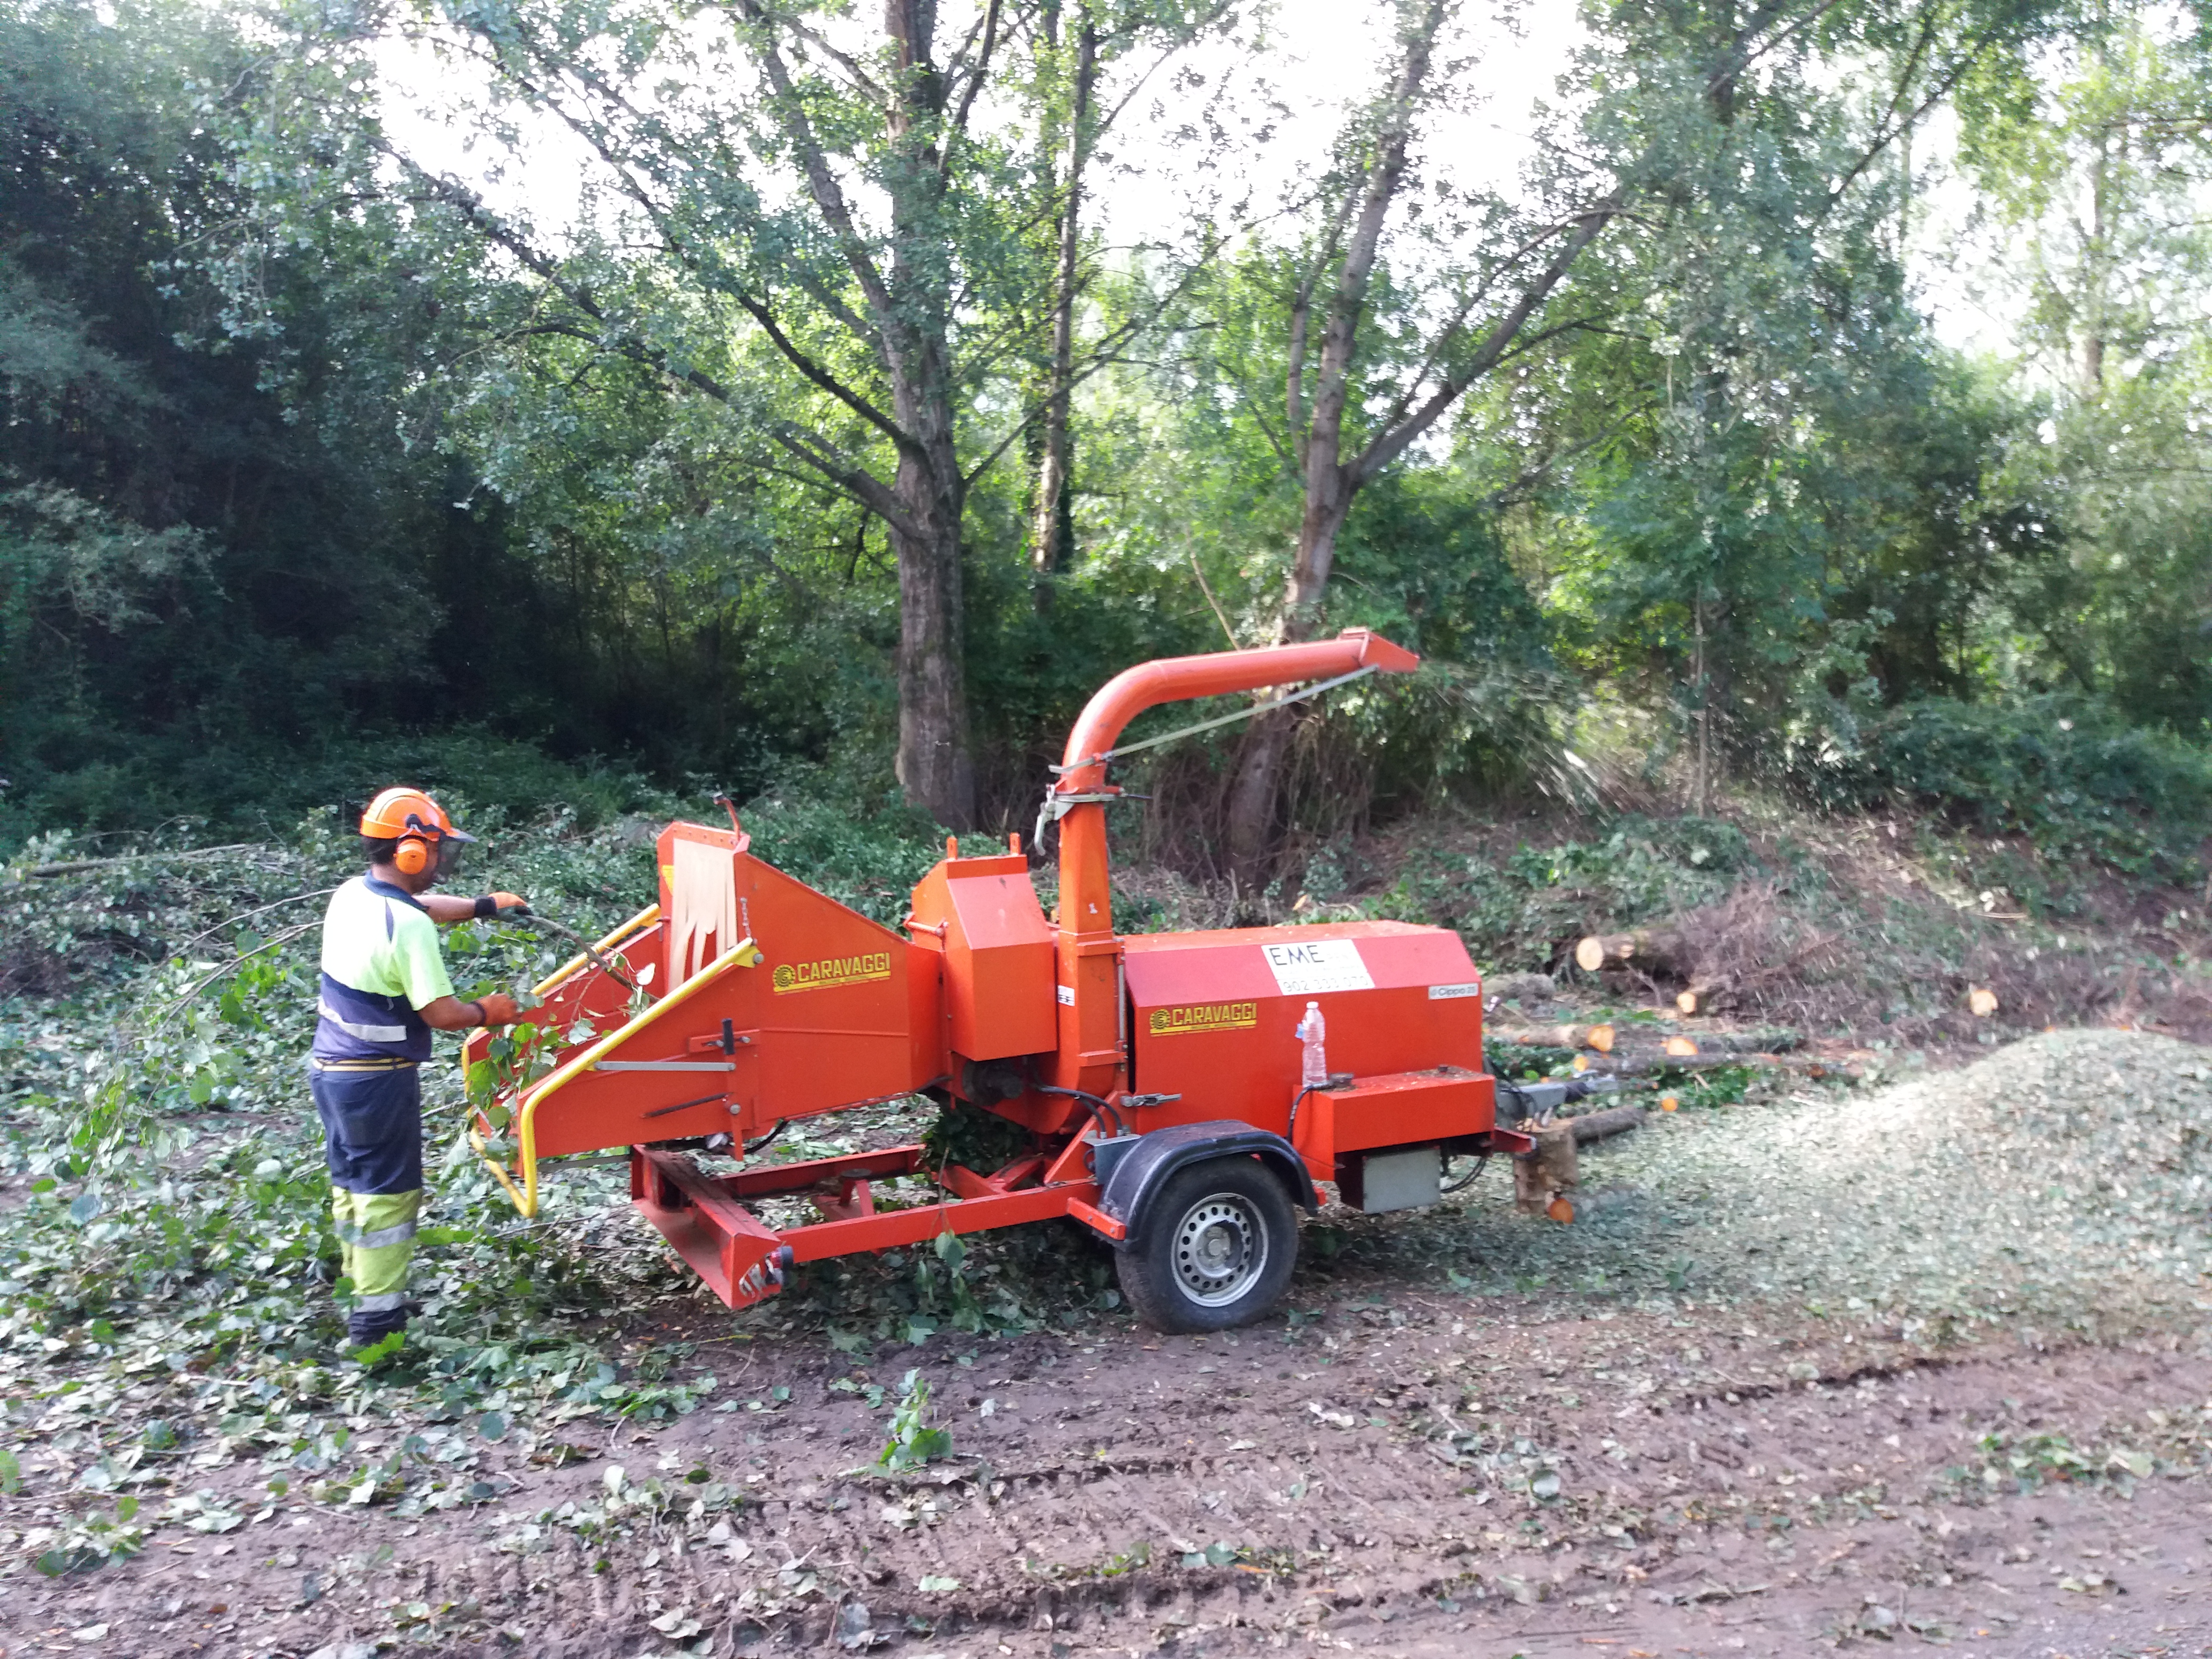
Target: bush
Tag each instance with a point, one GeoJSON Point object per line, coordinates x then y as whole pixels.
{"type": "Point", "coordinates": [1518, 912]}
{"type": "Point", "coordinates": [238, 790]}
{"type": "Point", "coordinates": [2066, 772]}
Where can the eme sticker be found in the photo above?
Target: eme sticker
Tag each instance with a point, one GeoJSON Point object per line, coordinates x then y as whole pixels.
{"type": "Point", "coordinates": [1067, 994]}
{"type": "Point", "coordinates": [1438, 993]}
{"type": "Point", "coordinates": [1322, 965]}
{"type": "Point", "coordinates": [1209, 1016]}
{"type": "Point", "coordinates": [832, 972]}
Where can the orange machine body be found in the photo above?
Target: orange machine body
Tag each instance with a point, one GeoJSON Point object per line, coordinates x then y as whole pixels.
{"type": "Point", "coordinates": [745, 1000]}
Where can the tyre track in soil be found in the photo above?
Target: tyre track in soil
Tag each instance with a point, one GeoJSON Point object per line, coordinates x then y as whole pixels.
{"type": "Point", "coordinates": [1321, 1454]}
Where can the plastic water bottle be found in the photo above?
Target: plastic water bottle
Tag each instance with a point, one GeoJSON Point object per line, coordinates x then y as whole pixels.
{"type": "Point", "coordinates": [1312, 1030]}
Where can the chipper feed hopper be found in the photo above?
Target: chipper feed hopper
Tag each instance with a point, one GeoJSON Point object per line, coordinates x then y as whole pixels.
{"type": "Point", "coordinates": [1153, 1080]}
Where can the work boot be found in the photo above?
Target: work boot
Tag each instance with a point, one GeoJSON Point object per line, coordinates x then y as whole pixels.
{"type": "Point", "coordinates": [365, 1330]}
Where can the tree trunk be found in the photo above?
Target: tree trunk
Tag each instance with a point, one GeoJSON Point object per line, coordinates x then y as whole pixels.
{"type": "Point", "coordinates": [934, 766]}
{"type": "Point", "coordinates": [1601, 1125]}
{"type": "Point", "coordinates": [1699, 799]}
{"type": "Point", "coordinates": [1329, 482]}
{"type": "Point", "coordinates": [2094, 267]}
{"type": "Point", "coordinates": [1050, 532]}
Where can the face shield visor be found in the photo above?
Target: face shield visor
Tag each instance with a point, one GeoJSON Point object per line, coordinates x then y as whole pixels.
{"type": "Point", "coordinates": [451, 846]}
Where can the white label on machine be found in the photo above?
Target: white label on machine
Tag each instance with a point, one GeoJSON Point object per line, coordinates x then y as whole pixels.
{"type": "Point", "coordinates": [1438, 993]}
{"type": "Point", "coordinates": [1066, 996]}
{"type": "Point", "coordinates": [1323, 964]}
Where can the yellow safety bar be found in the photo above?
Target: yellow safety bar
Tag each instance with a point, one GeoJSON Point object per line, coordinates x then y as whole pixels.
{"type": "Point", "coordinates": [636, 924]}
{"type": "Point", "coordinates": [744, 954]}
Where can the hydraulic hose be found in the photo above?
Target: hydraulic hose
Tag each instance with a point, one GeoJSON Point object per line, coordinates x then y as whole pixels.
{"type": "Point", "coordinates": [1100, 1110]}
{"type": "Point", "coordinates": [1336, 1080]}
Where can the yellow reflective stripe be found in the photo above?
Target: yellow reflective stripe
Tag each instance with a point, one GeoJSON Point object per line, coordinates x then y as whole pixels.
{"type": "Point", "coordinates": [382, 1239]}
{"type": "Point", "coordinates": [376, 1235]}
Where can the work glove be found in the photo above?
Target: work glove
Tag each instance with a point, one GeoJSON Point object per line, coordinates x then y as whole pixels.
{"type": "Point", "coordinates": [501, 905]}
{"type": "Point", "coordinates": [499, 1009]}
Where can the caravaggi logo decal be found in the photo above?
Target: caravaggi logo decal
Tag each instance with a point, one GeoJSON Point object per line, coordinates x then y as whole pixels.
{"type": "Point", "coordinates": [1209, 1016]}
{"type": "Point", "coordinates": [832, 972]}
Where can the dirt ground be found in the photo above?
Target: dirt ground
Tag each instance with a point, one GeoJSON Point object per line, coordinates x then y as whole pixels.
{"type": "Point", "coordinates": [1396, 1473]}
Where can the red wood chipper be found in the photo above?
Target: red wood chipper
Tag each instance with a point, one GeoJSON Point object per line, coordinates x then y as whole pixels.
{"type": "Point", "coordinates": [1158, 1078]}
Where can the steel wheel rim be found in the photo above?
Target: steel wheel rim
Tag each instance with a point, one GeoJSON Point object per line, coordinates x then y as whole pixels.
{"type": "Point", "coordinates": [1219, 1248]}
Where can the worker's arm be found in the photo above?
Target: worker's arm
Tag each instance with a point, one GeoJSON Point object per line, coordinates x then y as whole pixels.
{"type": "Point", "coordinates": [452, 1014]}
{"type": "Point", "coordinates": [430, 988]}
{"type": "Point", "coordinates": [446, 908]}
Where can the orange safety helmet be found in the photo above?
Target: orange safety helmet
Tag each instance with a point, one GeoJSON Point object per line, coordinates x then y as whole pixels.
{"type": "Point", "coordinates": [419, 824]}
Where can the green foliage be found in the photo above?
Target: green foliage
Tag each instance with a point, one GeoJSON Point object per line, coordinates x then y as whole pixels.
{"type": "Point", "coordinates": [866, 854]}
{"type": "Point", "coordinates": [1516, 912]}
{"type": "Point", "coordinates": [965, 1134]}
{"type": "Point", "coordinates": [88, 1541]}
{"type": "Point", "coordinates": [2017, 1461]}
{"type": "Point", "coordinates": [913, 1443]}
{"type": "Point", "coordinates": [2069, 773]}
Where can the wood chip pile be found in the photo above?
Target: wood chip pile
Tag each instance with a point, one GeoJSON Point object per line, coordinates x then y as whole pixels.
{"type": "Point", "coordinates": [2062, 1181]}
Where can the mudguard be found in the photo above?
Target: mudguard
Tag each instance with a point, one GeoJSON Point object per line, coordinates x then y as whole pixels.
{"type": "Point", "coordinates": [1140, 1172]}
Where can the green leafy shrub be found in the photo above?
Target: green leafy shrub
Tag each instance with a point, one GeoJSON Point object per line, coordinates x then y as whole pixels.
{"type": "Point", "coordinates": [1515, 912]}
{"type": "Point", "coordinates": [913, 1443]}
{"type": "Point", "coordinates": [2067, 772]}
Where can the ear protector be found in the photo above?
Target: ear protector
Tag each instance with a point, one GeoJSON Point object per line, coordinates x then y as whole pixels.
{"type": "Point", "coordinates": [416, 852]}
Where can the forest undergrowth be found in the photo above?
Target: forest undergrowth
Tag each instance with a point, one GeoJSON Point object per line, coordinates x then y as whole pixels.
{"type": "Point", "coordinates": [165, 1255]}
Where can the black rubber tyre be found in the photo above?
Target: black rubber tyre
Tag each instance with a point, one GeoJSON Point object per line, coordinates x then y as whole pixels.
{"type": "Point", "coordinates": [1219, 1242]}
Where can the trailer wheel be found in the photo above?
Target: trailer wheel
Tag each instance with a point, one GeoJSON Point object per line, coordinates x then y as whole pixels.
{"type": "Point", "coordinates": [1217, 1244]}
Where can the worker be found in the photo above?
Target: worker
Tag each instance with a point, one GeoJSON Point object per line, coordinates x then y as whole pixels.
{"type": "Point", "coordinates": [385, 989]}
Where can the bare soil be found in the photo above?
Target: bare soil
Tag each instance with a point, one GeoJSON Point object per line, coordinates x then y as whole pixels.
{"type": "Point", "coordinates": [1723, 1486]}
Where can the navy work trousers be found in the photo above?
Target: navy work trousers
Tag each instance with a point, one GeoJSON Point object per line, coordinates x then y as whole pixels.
{"type": "Point", "coordinates": [372, 1128]}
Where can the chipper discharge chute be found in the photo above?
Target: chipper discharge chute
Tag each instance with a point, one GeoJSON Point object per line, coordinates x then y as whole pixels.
{"type": "Point", "coordinates": [1155, 1081]}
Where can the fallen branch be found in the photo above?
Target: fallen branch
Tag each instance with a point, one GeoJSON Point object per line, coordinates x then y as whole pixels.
{"type": "Point", "coordinates": [1632, 1037]}
{"type": "Point", "coordinates": [259, 910]}
{"type": "Point", "coordinates": [581, 943]}
{"type": "Point", "coordinates": [228, 968]}
{"type": "Point", "coordinates": [74, 866]}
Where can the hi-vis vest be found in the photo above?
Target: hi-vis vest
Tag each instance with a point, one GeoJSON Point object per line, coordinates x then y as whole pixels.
{"type": "Point", "coordinates": [359, 1024]}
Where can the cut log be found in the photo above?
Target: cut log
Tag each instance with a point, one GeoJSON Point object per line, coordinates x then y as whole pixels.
{"type": "Point", "coordinates": [1707, 998]}
{"type": "Point", "coordinates": [1643, 949]}
{"type": "Point", "coordinates": [1600, 1038]}
{"type": "Point", "coordinates": [1601, 1125]}
{"type": "Point", "coordinates": [1547, 1174]}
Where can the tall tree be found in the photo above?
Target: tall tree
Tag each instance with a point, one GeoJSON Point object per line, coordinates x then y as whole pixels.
{"type": "Point", "coordinates": [821, 222]}
{"type": "Point", "coordinates": [1489, 275]}
{"type": "Point", "coordinates": [2092, 159]}
{"type": "Point", "coordinates": [1050, 531]}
